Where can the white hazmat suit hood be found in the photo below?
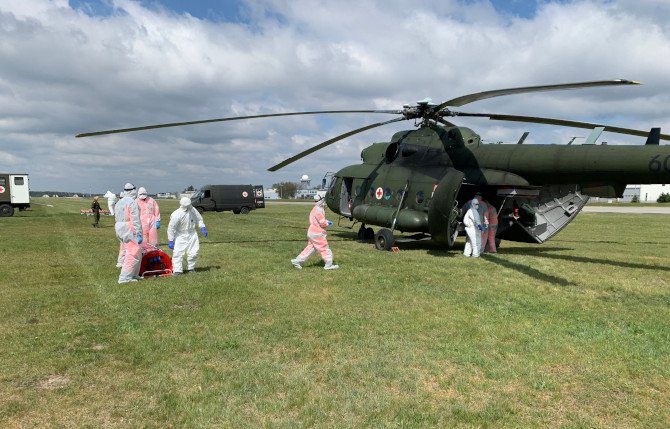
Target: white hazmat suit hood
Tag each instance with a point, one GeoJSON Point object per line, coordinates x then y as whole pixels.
{"type": "Point", "coordinates": [142, 193]}
{"type": "Point", "coordinates": [130, 191]}
{"type": "Point", "coordinates": [319, 200]}
{"type": "Point", "coordinates": [185, 203]}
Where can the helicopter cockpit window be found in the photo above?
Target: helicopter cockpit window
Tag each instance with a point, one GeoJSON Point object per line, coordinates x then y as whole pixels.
{"type": "Point", "coordinates": [420, 197]}
{"type": "Point", "coordinates": [372, 192]}
{"type": "Point", "coordinates": [357, 191]}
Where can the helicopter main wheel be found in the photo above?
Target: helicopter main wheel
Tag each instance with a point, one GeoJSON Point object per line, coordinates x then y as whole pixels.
{"type": "Point", "coordinates": [365, 234]}
{"type": "Point", "coordinates": [452, 232]}
{"type": "Point", "coordinates": [384, 239]}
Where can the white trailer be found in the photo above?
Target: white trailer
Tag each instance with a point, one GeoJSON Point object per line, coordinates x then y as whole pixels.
{"type": "Point", "coordinates": [14, 193]}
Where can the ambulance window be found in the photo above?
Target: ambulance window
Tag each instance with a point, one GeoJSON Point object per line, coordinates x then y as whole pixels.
{"type": "Point", "coordinates": [18, 181]}
{"type": "Point", "coordinates": [2, 181]}
{"type": "Point", "coordinates": [208, 194]}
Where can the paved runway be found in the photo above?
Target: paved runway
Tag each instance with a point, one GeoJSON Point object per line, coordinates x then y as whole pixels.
{"type": "Point", "coordinates": [641, 209]}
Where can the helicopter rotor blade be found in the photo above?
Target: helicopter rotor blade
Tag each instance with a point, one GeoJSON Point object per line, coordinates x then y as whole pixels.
{"type": "Point", "coordinates": [445, 122]}
{"type": "Point", "coordinates": [561, 122]}
{"type": "Point", "coordinates": [465, 99]}
{"type": "Point", "coordinates": [232, 118]}
{"type": "Point", "coordinates": [304, 153]}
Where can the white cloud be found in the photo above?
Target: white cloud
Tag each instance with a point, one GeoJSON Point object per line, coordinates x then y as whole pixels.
{"type": "Point", "coordinates": [64, 72]}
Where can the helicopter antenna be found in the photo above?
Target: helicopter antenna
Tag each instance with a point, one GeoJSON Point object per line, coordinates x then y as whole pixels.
{"type": "Point", "coordinates": [523, 137]}
{"type": "Point", "coordinates": [572, 139]}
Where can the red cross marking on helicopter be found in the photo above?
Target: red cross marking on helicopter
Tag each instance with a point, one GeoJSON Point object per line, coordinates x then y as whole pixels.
{"type": "Point", "coordinates": [379, 193]}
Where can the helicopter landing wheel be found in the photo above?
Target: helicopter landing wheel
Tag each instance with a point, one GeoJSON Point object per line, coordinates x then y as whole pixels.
{"type": "Point", "coordinates": [365, 234]}
{"type": "Point", "coordinates": [384, 239]}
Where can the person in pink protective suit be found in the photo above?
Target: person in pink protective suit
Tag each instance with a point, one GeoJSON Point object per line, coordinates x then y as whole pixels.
{"type": "Point", "coordinates": [316, 237]}
{"type": "Point", "coordinates": [493, 228]}
{"type": "Point", "coordinates": [151, 219]}
{"type": "Point", "coordinates": [483, 211]}
{"type": "Point", "coordinates": [128, 229]}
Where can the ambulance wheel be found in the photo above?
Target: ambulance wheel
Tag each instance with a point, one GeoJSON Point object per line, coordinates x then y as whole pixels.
{"type": "Point", "coordinates": [6, 210]}
{"type": "Point", "coordinates": [244, 210]}
{"type": "Point", "coordinates": [498, 241]}
{"type": "Point", "coordinates": [236, 211]}
{"type": "Point", "coordinates": [384, 239]}
{"type": "Point", "coordinates": [200, 210]}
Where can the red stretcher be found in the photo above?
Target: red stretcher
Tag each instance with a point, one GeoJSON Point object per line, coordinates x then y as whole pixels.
{"type": "Point", "coordinates": [155, 263]}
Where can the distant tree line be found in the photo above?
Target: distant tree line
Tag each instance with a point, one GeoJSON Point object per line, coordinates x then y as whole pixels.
{"type": "Point", "coordinates": [286, 189]}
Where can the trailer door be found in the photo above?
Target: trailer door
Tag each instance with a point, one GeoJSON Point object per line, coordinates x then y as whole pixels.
{"type": "Point", "coordinates": [20, 191]}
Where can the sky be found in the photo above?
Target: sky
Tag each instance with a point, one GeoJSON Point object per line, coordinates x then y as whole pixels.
{"type": "Point", "coordinates": [68, 67]}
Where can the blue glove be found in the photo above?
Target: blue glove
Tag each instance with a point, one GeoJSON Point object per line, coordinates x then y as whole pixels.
{"type": "Point", "coordinates": [158, 224]}
{"type": "Point", "coordinates": [171, 244]}
{"type": "Point", "coordinates": [479, 227]}
{"type": "Point", "coordinates": [329, 223]}
{"type": "Point", "coordinates": [204, 231]}
{"type": "Point", "coordinates": [139, 238]}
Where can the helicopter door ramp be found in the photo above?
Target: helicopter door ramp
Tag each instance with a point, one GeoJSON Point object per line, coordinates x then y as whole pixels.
{"type": "Point", "coordinates": [535, 215]}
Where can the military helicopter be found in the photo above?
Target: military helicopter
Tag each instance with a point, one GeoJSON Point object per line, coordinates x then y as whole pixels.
{"type": "Point", "coordinates": [419, 181]}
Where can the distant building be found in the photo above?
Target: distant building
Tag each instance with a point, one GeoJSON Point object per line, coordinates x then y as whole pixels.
{"type": "Point", "coordinates": [644, 193]}
{"type": "Point", "coordinates": [303, 194]}
{"type": "Point", "coordinates": [271, 194]}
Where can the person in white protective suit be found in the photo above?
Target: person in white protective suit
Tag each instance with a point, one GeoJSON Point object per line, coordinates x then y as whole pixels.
{"type": "Point", "coordinates": [128, 229]}
{"type": "Point", "coordinates": [151, 219]}
{"type": "Point", "coordinates": [111, 200]}
{"type": "Point", "coordinates": [182, 236]}
{"type": "Point", "coordinates": [473, 229]}
{"type": "Point", "coordinates": [316, 237]}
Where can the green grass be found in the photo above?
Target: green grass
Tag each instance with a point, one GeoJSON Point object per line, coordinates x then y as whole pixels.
{"type": "Point", "coordinates": [574, 333]}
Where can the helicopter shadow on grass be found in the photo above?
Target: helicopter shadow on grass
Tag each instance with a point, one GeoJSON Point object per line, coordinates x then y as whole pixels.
{"type": "Point", "coordinates": [542, 253]}
{"type": "Point", "coordinates": [527, 270]}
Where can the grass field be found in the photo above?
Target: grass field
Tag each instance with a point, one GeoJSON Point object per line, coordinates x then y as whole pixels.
{"type": "Point", "coordinates": [574, 333]}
